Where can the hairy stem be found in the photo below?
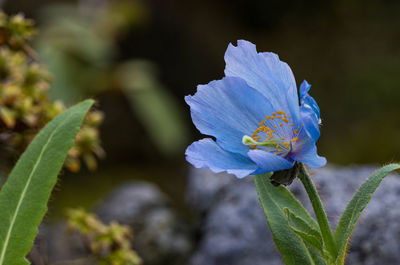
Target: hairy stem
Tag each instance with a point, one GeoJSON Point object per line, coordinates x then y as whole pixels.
{"type": "Point", "coordinates": [319, 211]}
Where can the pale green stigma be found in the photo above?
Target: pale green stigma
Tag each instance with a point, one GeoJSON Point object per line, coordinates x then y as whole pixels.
{"type": "Point", "coordinates": [247, 140]}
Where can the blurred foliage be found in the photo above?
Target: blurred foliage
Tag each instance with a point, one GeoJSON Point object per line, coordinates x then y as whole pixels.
{"type": "Point", "coordinates": [87, 144]}
{"type": "Point", "coordinates": [111, 244]}
{"type": "Point", "coordinates": [349, 50]}
{"type": "Point", "coordinates": [80, 47]}
{"type": "Point", "coordinates": [155, 107]}
{"type": "Point", "coordinates": [25, 106]}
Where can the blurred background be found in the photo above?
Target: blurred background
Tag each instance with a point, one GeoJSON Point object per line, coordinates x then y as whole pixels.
{"type": "Point", "coordinates": [140, 58]}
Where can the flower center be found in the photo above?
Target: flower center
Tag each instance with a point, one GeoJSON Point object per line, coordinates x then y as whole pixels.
{"type": "Point", "coordinates": [275, 134]}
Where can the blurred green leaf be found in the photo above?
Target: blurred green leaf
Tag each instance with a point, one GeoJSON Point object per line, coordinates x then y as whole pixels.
{"type": "Point", "coordinates": [24, 196]}
{"type": "Point", "coordinates": [86, 67]}
{"type": "Point", "coordinates": [154, 105]}
{"type": "Point", "coordinates": [76, 65]}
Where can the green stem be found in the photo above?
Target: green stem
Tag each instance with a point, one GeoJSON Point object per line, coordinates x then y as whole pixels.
{"type": "Point", "coordinates": [318, 210]}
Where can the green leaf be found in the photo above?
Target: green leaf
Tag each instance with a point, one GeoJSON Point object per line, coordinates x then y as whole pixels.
{"type": "Point", "coordinates": [274, 200]}
{"type": "Point", "coordinates": [285, 199]}
{"type": "Point", "coordinates": [24, 196]}
{"type": "Point", "coordinates": [316, 255]}
{"type": "Point", "coordinates": [356, 206]}
{"type": "Point", "coordinates": [306, 232]}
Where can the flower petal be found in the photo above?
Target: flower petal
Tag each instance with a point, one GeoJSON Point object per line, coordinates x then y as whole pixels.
{"type": "Point", "coordinates": [305, 151]}
{"type": "Point", "coordinates": [207, 154]}
{"type": "Point", "coordinates": [268, 162]}
{"type": "Point", "coordinates": [264, 72]}
{"type": "Point", "coordinates": [309, 111]}
{"type": "Point", "coordinates": [305, 98]}
{"type": "Point", "coordinates": [228, 109]}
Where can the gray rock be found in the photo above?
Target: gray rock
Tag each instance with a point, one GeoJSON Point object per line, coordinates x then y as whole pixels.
{"type": "Point", "coordinates": [129, 201]}
{"type": "Point", "coordinates": [56, 246]}
{"type": "Point", "coordinates": [203, 187]}
{"type": "Point", "coordinates": [160, 236]}
{"type": "Point", "coordinates": [234, 230]}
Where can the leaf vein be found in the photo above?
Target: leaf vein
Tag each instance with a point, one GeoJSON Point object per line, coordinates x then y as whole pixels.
{"type": "Point", "coordinates": [15, 214]}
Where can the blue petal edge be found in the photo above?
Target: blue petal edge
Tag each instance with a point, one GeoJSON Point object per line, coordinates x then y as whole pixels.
{"type": "Point", "coordinates": [268, 162]}
{"type": "Point", "coordinates": [305, 98]}
{"type": "Point", "coordinates": [305, 152]}
{"type": "Point", "coordinates": [262, 71]}
{"type": "Point", "coordinates": [309, 111]}
{"type": "Point", "coordinates": [228, 109]}
{"type": "Point", "coordinates": [207, 154]}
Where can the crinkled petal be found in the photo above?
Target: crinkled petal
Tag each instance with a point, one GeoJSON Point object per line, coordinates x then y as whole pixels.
{"type": "Point", "coordinates": [305, 98]}
{"type": "Point", "coordinates": [310, 123]}
{"type": "Point", "coordinates": [305, 152]}
{"type": "Point", "coordinates": [207, 154]}
{"type": "Point", "coordinates": [309, 112]}
{"type": "Point", "coordinates": [269, 162]}
{"type": "Point", "coordinates": [228, 109]}
{"type": "Point", "coordinates": [264, 72]}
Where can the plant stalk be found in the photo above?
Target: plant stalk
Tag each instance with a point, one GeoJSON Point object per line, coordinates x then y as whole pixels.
{"type": "Point", "coordinates": [319, 211]}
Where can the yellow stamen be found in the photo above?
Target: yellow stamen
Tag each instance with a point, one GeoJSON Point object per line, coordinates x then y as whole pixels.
{"type": "Point", "coordinates": [269, 132]}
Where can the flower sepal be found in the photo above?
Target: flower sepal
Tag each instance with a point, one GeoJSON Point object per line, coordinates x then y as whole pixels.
{"type": "Point", "coordinates": [285, 177]}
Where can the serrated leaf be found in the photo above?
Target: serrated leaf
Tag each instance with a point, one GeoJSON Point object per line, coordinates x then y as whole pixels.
{"type": "Point", "coordinates": [24, 196]}
{"type": "Point", "coordinates": [356, 206]}
{"type": "Point", "coordinates": [273, 200]}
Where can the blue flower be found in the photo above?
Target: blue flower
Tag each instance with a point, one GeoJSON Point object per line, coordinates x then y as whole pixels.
{"type": "Point", "coordinates": [255, 117]}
